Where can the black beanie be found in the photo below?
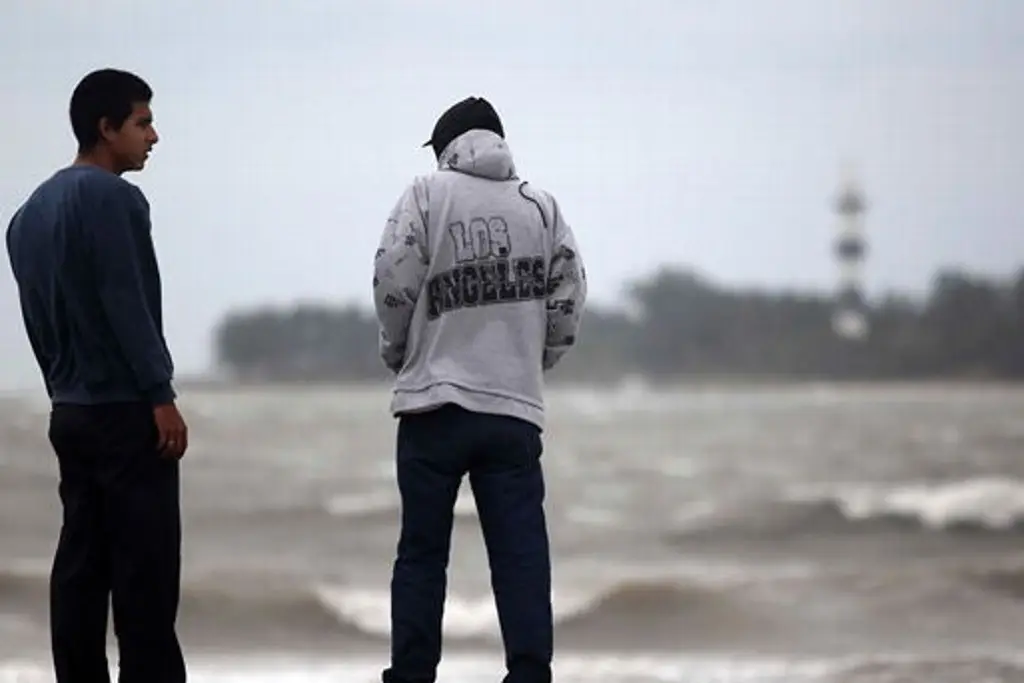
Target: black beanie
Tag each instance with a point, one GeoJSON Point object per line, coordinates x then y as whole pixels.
{"type": "Point", "coordinates": [469, 114]}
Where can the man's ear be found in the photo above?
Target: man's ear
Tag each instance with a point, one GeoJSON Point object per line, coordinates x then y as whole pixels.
{"type": "Point", "coordinates": [107, 131]}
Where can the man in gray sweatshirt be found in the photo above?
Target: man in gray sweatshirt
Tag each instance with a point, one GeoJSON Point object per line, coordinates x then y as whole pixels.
{"type": "Point", "coordinates": [479, 288]}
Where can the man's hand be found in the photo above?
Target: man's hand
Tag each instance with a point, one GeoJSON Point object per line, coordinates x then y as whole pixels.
{"type": "Point", "coordinates": [172, 441]}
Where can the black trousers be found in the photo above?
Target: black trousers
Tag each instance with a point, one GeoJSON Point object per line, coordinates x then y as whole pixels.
{"type": "Point", "coordinates": [501, 455]}
{"type": "Point", "coordinates": [120, 545]}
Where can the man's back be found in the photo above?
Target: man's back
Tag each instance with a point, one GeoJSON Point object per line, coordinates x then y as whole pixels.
{"type": "Point", "coordinates": [81, 252]}
{"type": "Point", "coordinates": [500, 287]}
{"type": "Point", "coordinates": [478, 290]}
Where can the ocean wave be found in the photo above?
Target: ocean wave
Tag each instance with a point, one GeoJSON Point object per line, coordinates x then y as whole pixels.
{"type": "Point", "coordinates": [972, 507]}
{"type": "Point", "coordinates": [991, 503]}
{"type": "Point", "coordinates": [243, 605]}
{"type": "Point", "coordinates": [471, 619]}
{"type": "Point", "coordinates": [368, 504]}
{"type": "Point", "coordinates": [607, 667]}
{"type": "Point", "coordinates": [22, 580]}
{"type": "Point", "coordinates": [1005, 581]}
{"type": "Point", "coordinates": [385, 505]}
{"type": "Point", "coordinates": [478, 668]}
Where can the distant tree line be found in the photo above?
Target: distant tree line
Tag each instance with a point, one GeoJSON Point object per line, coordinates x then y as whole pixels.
{"type": "Point", "coordinates": [682, 325]}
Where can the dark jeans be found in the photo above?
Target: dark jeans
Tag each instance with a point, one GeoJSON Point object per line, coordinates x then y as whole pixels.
{"type": "Point", "coordinates": [120, 543]}
{"type": "Point", "coordinates": [501, 455]}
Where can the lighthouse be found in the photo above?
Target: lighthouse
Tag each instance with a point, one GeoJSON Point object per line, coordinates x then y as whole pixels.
{"type": "Point", "coordinates": [850, 318]}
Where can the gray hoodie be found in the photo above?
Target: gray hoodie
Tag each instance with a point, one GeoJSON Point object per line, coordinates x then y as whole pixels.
{"type": "Point", "coordinates": [478, 285]}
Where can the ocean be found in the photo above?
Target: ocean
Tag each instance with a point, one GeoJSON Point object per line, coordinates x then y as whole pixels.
{"type": "Point", "coordinates": [770, 533]}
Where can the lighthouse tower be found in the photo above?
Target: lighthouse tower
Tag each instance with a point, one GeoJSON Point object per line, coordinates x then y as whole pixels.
{"type": "Point", "coordinates": [850, 320]}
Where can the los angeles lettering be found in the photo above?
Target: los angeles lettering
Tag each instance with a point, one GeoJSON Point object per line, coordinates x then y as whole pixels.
{"type": "Point", "coordinates": [487, 282]}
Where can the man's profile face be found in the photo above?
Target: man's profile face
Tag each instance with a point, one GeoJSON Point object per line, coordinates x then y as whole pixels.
{"type": "Point", "coordinates": [131, 143]}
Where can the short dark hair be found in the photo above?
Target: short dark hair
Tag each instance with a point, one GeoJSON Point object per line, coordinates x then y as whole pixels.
{"type": "Point", "coordinates": [109, 93]}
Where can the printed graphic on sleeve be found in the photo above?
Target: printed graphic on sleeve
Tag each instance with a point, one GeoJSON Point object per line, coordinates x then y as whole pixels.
{"type": "Point", "coordinates": [484, 272]}
{"type": "Point", "coordinates": [567, 275]}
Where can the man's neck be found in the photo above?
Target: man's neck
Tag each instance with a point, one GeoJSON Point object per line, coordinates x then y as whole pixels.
{"type": "Point", "coordinates": [97, 157]}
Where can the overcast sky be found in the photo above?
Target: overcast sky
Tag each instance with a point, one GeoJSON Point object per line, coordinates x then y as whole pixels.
{"type": "Point", "coordinates": [692, 132]}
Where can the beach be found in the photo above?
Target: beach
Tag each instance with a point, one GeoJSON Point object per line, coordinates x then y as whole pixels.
{"type": "Point", "coordinates": [769, 532]}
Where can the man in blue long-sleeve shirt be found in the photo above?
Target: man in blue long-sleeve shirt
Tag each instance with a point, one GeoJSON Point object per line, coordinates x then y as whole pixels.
{"type": "Point", "coordinates": [82, 255]}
